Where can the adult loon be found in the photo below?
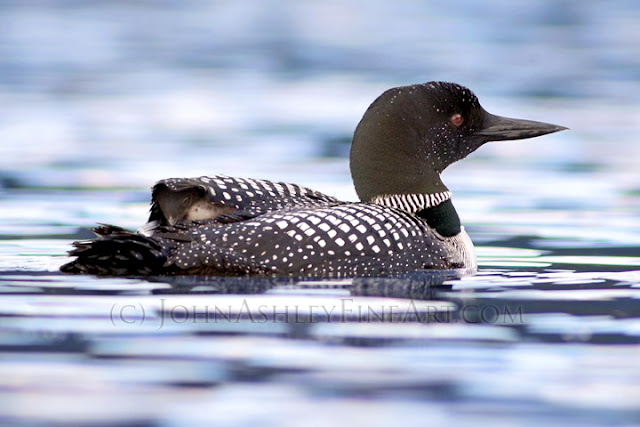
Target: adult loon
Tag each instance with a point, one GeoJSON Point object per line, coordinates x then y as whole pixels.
{"type": "Point", "coordinates": [404, 222]}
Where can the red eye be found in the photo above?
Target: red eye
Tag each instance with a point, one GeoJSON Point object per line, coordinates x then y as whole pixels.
{"type": "Point", "coordinates": [456, 120]}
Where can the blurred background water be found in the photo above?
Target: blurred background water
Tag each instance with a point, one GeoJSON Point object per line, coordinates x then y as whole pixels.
{"type": "Point", "coordinates": [99, 99]}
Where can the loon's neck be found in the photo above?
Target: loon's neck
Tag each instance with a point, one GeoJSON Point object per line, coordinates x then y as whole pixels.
{"type": "Point", "coordinates": [413, 203]}
{"type": "Point", "coordinates": [435, 208]}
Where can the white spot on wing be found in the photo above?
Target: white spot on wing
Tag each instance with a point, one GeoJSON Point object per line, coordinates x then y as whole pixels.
{"type": "Point", "coordinates": [148, 228]}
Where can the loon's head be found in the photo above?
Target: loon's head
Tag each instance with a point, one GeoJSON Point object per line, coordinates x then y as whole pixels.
{"type": "Point", "coordinates": [410, 134]}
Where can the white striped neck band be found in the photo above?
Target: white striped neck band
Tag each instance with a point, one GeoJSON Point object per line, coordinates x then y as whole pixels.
{"type": "Point", "coordinates": [412, 202]}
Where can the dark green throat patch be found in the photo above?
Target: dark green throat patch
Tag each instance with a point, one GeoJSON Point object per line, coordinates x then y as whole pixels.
{"type": "Point", "coordinates": [443, 218]}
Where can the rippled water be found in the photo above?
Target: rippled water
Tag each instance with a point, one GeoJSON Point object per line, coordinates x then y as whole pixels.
{"type": "Point", "coordinates": [101, 99]}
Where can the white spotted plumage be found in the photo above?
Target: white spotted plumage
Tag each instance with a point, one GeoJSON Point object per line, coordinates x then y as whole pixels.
{"type": "Point", "coordinates": [324, 237]}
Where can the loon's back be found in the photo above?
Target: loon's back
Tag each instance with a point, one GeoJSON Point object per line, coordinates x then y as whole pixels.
{"type": "Point", "coordinates": [259, 227]}
{"type": "Point", "coordinates": [227, 199]}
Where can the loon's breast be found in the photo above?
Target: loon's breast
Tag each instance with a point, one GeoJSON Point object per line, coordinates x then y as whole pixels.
{"type": "Point", "coordinates": [263, 227]}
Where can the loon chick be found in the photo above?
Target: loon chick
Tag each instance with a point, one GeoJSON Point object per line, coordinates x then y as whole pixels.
{"type": "Point", "coordinates": [405, 221]}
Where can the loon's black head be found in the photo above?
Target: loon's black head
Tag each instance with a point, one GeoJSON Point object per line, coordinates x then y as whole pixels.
{"type": "Point", "coordinates": [410, 134]}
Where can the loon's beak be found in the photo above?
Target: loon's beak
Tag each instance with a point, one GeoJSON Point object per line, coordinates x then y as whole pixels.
{"type": "Point", "coordinates": [497, 128]}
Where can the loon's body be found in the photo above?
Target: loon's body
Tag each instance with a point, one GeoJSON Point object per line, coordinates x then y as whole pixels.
{"type": "Point", "coordinates": [405, 221]}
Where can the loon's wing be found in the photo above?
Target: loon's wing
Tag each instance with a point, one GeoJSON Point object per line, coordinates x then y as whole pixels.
{"type": "Point", "coordinates": [117, 251]}
{"type": "Point", "coordinates": [350, 239]}
{"type": "Point", "coordinates": [339, 240]}
{"type": "Point", "coordinates": [181, 207]}
{"type": "Point", "coordinates": [227, 199]}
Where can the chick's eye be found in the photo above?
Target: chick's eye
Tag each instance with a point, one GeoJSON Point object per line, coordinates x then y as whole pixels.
{"type": "Point", "coordinates": [456, 120]}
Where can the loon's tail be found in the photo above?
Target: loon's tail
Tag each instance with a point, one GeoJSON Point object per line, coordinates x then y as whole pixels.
{"type": "Point", "coordinates": [116, 252]}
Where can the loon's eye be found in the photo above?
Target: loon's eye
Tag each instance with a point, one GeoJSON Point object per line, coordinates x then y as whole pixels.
{"type": "Point", "coordinates": [456, 120]}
